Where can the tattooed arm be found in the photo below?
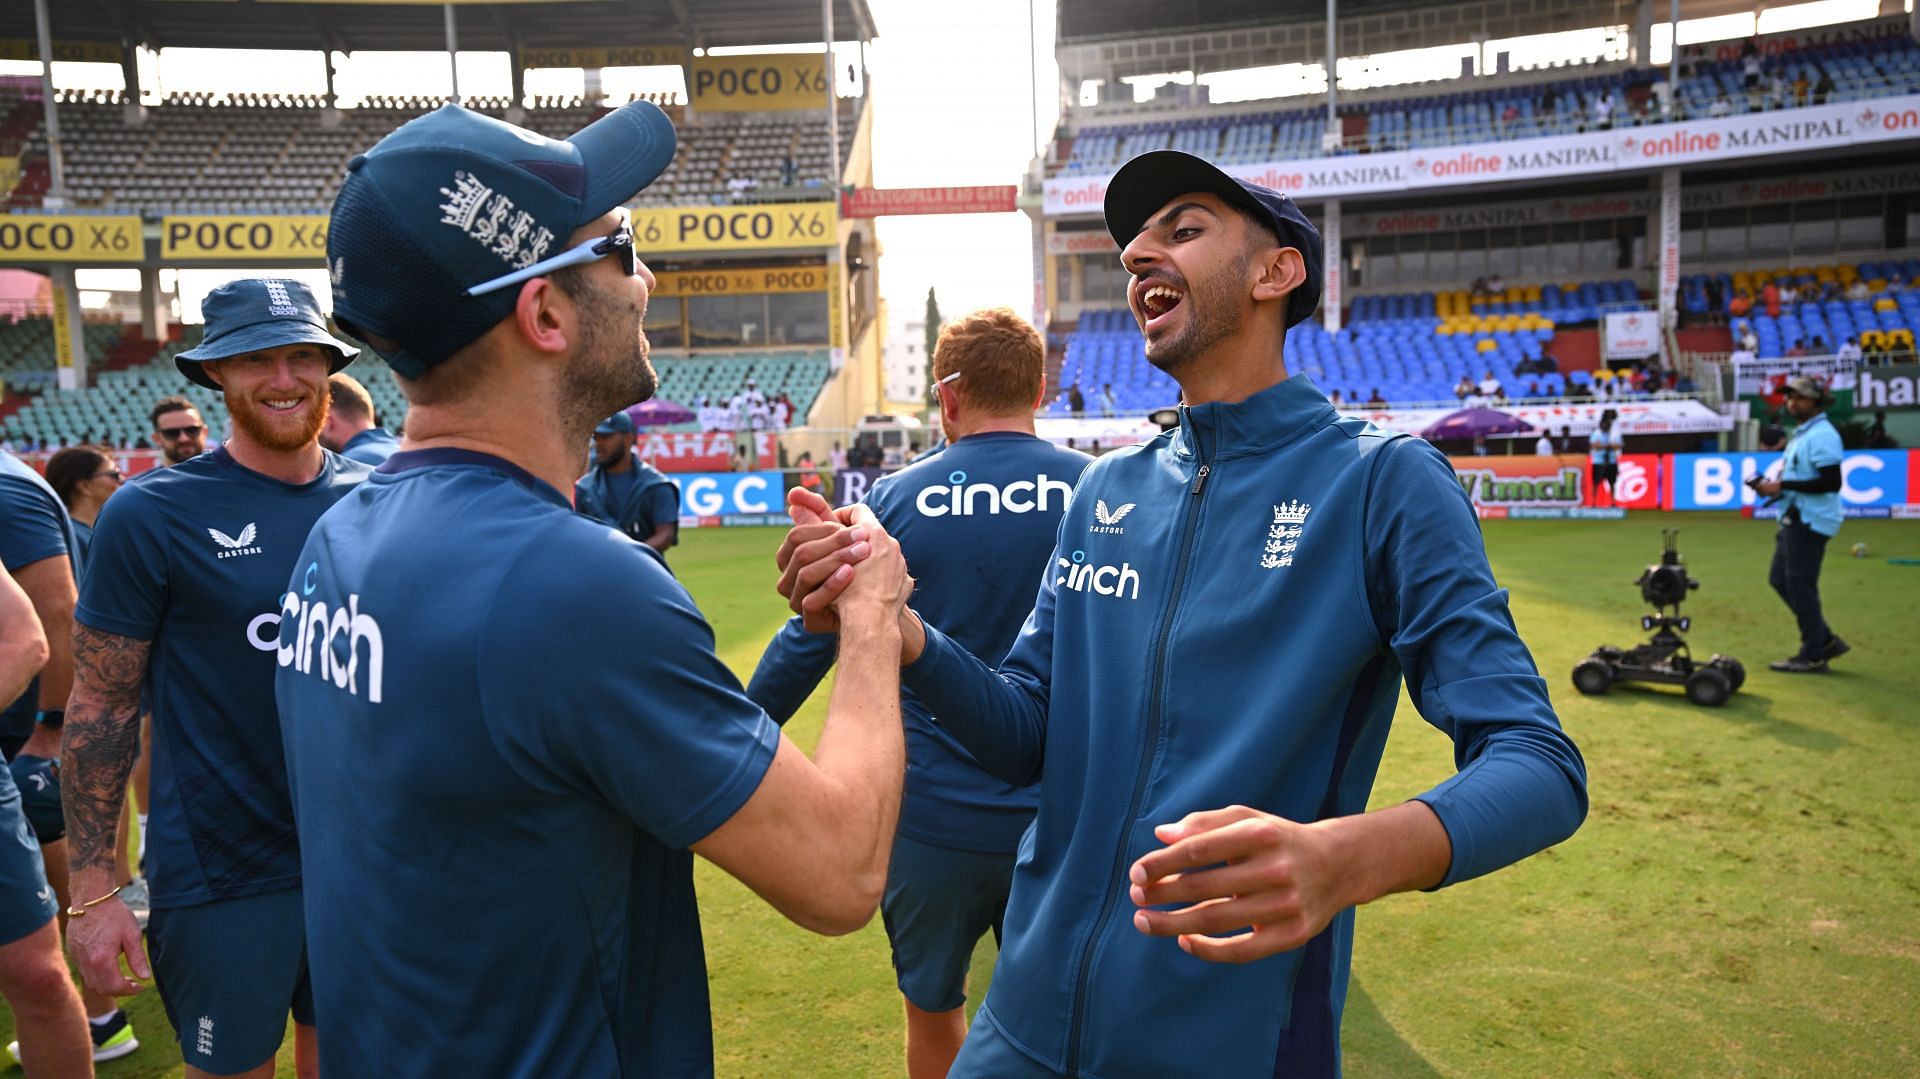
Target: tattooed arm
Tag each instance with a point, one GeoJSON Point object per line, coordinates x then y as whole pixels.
{"type": "Point", "coordinates": [102, 740]}
{"type": "Point", "coordinates": [23, 647]}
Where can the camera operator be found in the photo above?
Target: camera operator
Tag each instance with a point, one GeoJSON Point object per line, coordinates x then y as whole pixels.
{"type": "Point", "coordinates": [1809, 494]}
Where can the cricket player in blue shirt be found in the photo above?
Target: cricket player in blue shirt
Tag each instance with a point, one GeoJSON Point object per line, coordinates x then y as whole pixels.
{"type": "Point", "coordinates": [350, 430]}
{"type": "Point", "coordinates": [556, 736]}
{"type": "Point", "coordinates": [626, 492]}
{"type": "Point", "coordinates": [977, 519]}
{"type": "Point", "coordinates": [1204, 692]}
{"type": "Point", "coordinates": [181, 599]}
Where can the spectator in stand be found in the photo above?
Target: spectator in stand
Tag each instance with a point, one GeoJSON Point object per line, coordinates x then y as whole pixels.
{"type": "Point", "coordinates": [1819, 347]}
{"type": "Point", "coordinates": [809, 474]}
{"type": "Point", "coordinates": [1547, 364]}
{"type": "Point", "coordinates": [1496, 285]}
{"type": "Point", "coordinates": [1479, 445]}
{"type": "Point", "coordinates": [1566, 440]}
{"type": "Point", "coordinates": [1603, 110]}
{"type": "Point", "coordinates": [1720, 107]}
{"type": "Point", "coordinates": [1859, 290]}
{"type": "Point", "coordinates": [1741, 305]}
{"type": "Point", "coordinates": [837, 458]}
{"type": "Point", "coordinates": [1076, 401]}
{"type": "Point", "coordinates": [1777, 91]}
{"type": "Point", "coordinates": [1490, 386]}
{"type": "Point", "coordinates": [1480, 287]}
{"type": "Point", "coordinates": [782, 411]}
{"type": "Point", "coordinates": [1546, 113]}
{"type": "Point", "coordinates": [1822, 89]}
{"type": "Point", "coordinates": [1108, 403]}
{"type": "Point", "coordinates": [1770, 297]}
{"type": "Point", "coordinates": [1789, 294]}
{"type": "Point", "coordinates": [1749, 340]}
{"type": "Point", "coordinates": [1742, 353]}
{"type": "Point", "coordinates": [1801, 87]}
{"type": "Point", "coordinates": [1463, 389]}
{"type": "Point", "coordinates": [1750, 74]}
{"type": "Point", "coordinates": [1508, 117]}
{"type": "Point", "coordinates": [1797, 349]}
{"type": "Point", "coordinates": [1376, 401]}
{"type": "Point", "coordinates": [1533, 388]}
{"type": "Point", "coordinates": [1543, 446]}
{"type": "Point", "coordinates": [1849, 352]}
{"type": "Point", "coordinates": [1335, 400]}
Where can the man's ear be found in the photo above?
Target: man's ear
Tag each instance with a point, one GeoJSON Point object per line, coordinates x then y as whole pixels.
{"type": "Point", "coordinates": [544, 315]}
{"type": "Point", "coordinates": [1282, 269]}
{"type": "Point", "coordinates": [212, 370]}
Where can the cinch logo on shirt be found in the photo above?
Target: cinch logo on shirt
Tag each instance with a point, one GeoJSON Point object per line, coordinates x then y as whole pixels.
{"type": "Point", "coordinates": [321, 630]}
{"type": "Point", "coordinates": [234, 547]}
{"type": "Point", "coordinates": [1109, 519]}
{"type": "Point", "coordinates": [1080, 575]}
{"type": "Point", "coordinates": [962, 499]}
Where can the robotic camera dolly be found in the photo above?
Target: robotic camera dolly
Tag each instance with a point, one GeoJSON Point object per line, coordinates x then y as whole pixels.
{"type": "Point", "coordinates": [1665, 658]}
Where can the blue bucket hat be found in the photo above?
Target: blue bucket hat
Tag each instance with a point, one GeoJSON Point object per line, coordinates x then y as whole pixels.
{"type": "Point", "coordinates": [1153, 179]}
{"type": "Point", "coordinates": [454, 199]}
{"type": "Point", "coordinates": [252, 314]}
{"type": "Point", "coordinates": [617, 424]}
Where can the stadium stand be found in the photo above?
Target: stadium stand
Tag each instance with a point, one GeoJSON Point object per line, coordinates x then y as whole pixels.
{"type": "Point", "coordinates": [1872, 303]}
{"type": "Point", "coordinates": [1412, 347]}
{"type": "Point", "coordinates": [717, 376]}
{"type": "Point", "coordinates": [1857, 69]}
{"type": "Point", "coordinates": [262, 153]}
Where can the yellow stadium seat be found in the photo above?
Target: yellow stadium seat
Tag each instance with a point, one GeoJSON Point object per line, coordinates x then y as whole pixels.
{"type": "Point", "coordinates": [1485, 344]}
{"type": "Point", "coordinates": [1877, 284]}
{"type": "Point", "coordinates": [1873, 339]}
{"type": "Point", "coordinates": [1900, 338]}
{"type": "Point", "coordinates": [1885, 303]}
{"type": "Point", "coordinates": [1601, 374]}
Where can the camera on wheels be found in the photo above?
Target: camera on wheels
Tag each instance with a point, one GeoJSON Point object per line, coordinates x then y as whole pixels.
{"type": "Point", "coordinates": [1665, 658]}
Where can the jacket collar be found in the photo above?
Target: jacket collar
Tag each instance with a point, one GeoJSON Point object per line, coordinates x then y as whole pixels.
{"type": "Point", "coordinates": [1272, 417]}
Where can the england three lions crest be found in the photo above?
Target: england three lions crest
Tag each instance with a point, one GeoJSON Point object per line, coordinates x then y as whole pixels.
{"type": "Point", "coordinates": [1289, 520]}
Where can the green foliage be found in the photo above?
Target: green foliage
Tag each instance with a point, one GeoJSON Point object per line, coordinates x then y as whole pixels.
{"type": "Point", "coordinates": [1741, 900]}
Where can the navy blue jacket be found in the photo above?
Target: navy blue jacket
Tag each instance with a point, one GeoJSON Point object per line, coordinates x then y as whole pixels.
{"type": "Point", "coordinates": [975, 520]}
{"type": "Point", "coordinates": [1238, 636]}
{"type": "Point", "coordinates": [650, 501]}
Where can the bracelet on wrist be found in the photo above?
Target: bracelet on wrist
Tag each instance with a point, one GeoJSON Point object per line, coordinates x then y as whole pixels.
{"type": "Point", "coordinates": [51, 718]}
{"type": "Point", "coordinates": [80, 910]}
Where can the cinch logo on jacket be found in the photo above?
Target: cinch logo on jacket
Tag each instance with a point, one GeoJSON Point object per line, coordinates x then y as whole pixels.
{"type": "Point", "coordinates": [316, 629]}
{"type": "Point", "coordinates": [1082, 576]}
{"type": "Point", "coordinates": [962, 499]}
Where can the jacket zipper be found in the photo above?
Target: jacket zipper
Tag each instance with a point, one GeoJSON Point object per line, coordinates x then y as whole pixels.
{"type": "Point", "coordinates": [1154, 719]}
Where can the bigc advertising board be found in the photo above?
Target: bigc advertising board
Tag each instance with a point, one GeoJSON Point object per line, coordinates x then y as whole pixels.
{"type": "Point", "coordinates": [1718, 481]}
{"type": "Point", "coordinates": [706, 497]}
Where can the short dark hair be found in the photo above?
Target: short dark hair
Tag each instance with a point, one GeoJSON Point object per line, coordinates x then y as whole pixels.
{"type": "Point", "coordinates": [166, 405]}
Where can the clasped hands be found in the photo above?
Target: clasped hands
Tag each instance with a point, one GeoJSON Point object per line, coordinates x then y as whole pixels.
{"type": "Point", "coordinates": [1245, 884]}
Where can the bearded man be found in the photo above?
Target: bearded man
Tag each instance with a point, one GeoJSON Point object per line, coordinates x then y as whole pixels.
{"type": "Point", "coordinates": [182, 599]}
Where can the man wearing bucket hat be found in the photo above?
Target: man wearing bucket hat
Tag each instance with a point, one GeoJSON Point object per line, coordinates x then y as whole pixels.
{"type": "Point", "coordinates": [557, 734]}
{"type": "Point", "coordinates": [1809, 491]}
{"type": "Point", "coordinates": [179, 599]}
{"type": "Point", "coordinates": [626, 492]}
{"type": "Point", "coordinates": [1203, 689]}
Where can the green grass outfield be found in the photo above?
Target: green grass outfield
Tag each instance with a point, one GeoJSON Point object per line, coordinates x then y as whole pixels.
{"type": "Point", "coordinates": [1743, 900]}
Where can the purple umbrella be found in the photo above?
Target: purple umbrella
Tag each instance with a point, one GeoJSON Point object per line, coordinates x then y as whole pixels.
{"type": "Point", "coordinates": [659, 412]}
{"type": "Point", "coordinates": [1469, 422]}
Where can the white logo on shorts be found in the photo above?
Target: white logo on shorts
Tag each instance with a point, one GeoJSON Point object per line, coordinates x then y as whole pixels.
{"type": "Point", "coordinates": [203, 1041]}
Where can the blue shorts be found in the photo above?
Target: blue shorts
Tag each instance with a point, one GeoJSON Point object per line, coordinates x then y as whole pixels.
{"type": "Point", "coordinates": [229, 972]}
{"type": "Point", "coordinates": [939, 903]}
{"type": "Point", "coordinates": [39, 781]}
{"type": "Point", "coordinates": [26, 902]}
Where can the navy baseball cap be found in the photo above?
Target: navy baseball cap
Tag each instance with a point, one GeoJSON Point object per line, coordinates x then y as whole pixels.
{"type": "Point", "coordinates": [617, 424]}
{"type": "Point", "coordinates": [1150, 181]}
{"type": "Point", "coordinates": [454, 199]}
{"type": "Point", "coordinates": [252, 314]}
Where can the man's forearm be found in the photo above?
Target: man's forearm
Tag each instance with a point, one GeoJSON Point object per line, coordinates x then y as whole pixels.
{"type": "Point", "coordinates": [1401, 848]}
{"type": "Point", "coordinates": [101, 742]}
{"type": "Point", "coordinates": [862, 746]}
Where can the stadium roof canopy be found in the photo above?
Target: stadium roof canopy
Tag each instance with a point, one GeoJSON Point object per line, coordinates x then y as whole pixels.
{"type": "Point", "coordinates": [1096, 20]}
{"type": "Point", "coordinates": [409, 25]}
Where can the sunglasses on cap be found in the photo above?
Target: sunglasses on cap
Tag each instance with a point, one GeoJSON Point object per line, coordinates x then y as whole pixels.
{"type": "Point", "coordinates": [619, 243]}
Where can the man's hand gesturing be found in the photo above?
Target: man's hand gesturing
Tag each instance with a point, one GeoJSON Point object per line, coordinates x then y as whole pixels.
{"type": "Point", "coordinates": [816, 559]}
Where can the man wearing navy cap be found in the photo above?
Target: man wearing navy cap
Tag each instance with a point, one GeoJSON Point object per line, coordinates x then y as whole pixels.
{"type": "Point", "coordinates": [626, 492]}
{"type": "Point", "coordinates": [557, 736]}
{"type": "Point", "coordinates": [180, 599]}
{"type": "Point", "coordinates": [1206, 733]}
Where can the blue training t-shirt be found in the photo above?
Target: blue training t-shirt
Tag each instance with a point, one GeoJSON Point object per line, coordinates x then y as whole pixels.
{"type": "Point", "coordinates": [34, 526]}
{"type": "Point", "coordinates": [977, 522]}
{"type": "Point", "coordinates": [504, 725]}
{"type": "Point", "coordinates": [194, 559]}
